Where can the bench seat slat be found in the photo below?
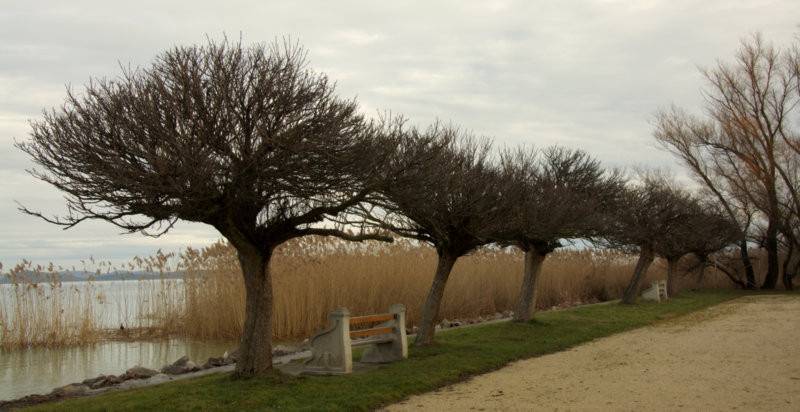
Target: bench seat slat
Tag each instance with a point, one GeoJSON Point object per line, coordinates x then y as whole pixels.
{"type": "Point", "coordinates": [370, 332]}
{"type": "Point", "coordinates": [371, 318]}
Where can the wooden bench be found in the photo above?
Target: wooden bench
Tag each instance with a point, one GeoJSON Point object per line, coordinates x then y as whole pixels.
{"type": "Point", "coordinates": [331, 349]}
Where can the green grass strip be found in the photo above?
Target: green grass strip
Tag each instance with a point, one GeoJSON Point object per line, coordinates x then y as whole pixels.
{"type": "Point", "coordinates": [458, 354]}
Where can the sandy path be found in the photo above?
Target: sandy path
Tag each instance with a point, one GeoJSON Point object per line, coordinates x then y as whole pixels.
{"type": "Point", "coordinates": [740, 355]}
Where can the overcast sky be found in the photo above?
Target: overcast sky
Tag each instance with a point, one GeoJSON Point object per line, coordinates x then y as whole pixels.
{"type": "Point", "coordinates": [583, 74]}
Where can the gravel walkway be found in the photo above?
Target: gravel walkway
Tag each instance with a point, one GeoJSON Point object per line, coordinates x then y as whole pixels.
{"type": "Point", "coordinates": [739, 355]}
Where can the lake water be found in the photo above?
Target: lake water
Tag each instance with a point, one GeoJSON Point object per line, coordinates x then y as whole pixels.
{"type": "Point", "coordinates": [39, 370]}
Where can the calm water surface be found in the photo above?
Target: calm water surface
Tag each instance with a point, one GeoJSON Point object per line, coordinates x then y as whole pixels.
{"type": "Point", "coordinates": [39, 370]}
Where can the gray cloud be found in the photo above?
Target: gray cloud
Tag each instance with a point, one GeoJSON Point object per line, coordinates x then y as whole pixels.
{"type": "Point", "coordinates": [585, 74]}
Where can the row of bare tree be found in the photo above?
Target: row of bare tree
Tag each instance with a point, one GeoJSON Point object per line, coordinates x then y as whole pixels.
{"type": "Point", "coordinates": [257, 145]}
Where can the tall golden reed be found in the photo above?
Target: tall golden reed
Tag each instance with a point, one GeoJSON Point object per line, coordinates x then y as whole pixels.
{"type": "Point", "coordinates": [311, 277]}
{"type": "Point", "coordinates": [44, 311]}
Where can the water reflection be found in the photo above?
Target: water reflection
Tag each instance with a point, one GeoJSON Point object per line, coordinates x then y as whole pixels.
{"type": "Point", "coordinates": [39, 370]}
{"type": "Point", "coordinates": [109, 304]}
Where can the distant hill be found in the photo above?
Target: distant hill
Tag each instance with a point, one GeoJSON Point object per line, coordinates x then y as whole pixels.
{"type": "Point", "coordinates": [82, 276]}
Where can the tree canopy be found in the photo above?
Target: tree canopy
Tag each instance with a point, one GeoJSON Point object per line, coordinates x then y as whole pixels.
{"type": "Point", "coordinates": [551, 196]}
{"type": "Point", "coordinates": [447, 193]}
{"type": "Point", "coordinates": [247, 140]}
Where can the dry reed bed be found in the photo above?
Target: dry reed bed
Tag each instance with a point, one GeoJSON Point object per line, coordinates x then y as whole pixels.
{"type": "Point", "coordinates": [311, 276]}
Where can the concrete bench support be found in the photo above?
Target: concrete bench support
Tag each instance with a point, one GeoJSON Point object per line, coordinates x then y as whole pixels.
{"type": "Point", "coordinates": [656, 292]}
{"type": "Point", "coordinates": [331, 349]}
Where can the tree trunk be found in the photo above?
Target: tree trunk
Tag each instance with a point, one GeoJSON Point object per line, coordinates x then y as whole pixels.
{"type": "Point", "coordinates": [793, 273]}
{"type": "Point", "coordinates": [786, 278]}
{"type": "Point", "coordinates": [771, 245]}
{"type": "Point", "coordinates": [526, 303]}
{"type": "Point", "coordinates": [427, 327]}
{"type": "Point", "coordinates": [748, 266]}
{"type": "Point", "coordinates": [255, 349]}
{"type": "Point", "coordinates": [701, 272]}
{"type": "Point", "coordinates": [672, 277]}
{"type": "Point", "coordinates": [646, 257]}
{"type": "Point", "coordinates": [787, 281]}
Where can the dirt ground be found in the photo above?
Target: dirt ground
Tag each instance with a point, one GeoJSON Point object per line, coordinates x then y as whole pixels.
{"type": "Point", "coordinates": [740, 355]}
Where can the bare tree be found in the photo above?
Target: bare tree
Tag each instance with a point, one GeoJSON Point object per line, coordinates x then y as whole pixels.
{"type": "Point", "coordinates": [649, 211]}
{"type": "Point", "coordinates": [789, 169]}
{"type": "Point", "coordinates": [741, 148]}
{"type": "Point", "coordinates": [672, 245]}
{"type": "Point", "coordinates": [247, 140]}
{"type": "Point", "coordinates": [712, 231]}
{"type": "Point", "coordinates": [449, 199]}
{"type": "Point", "coordinates": [682, 134]}
{"type": "Point", "coordinates": [702, 230]}
{"type": "Point", "coordinates": [553, 196]}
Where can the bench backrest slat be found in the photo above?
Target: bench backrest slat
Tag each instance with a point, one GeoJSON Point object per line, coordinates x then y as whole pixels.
{"type": "Point", "coordinates": [371, 318]}
{"type": "Point", "coordinates": [370, 332]}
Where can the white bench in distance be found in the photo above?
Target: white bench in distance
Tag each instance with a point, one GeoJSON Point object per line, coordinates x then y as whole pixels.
{"type": "Point", "coordinates": [331, 349]}
{"type": "Point", "coordinates": [656, 292]}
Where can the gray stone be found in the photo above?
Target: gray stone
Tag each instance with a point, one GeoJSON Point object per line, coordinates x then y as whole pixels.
{"type": "Point", "coordinates": [102, 381]}
{"type": "Point", "coordinates": [181, 366]}
{"type": "Point", "coordinates": [173, 370]}
{"type": "Point", "coordinates": [215, 362]}
{"type": "Point", "coordinates": [26, 401]}
{"type": "Point", "coordinates": [281, 350]}
{"type": "Point", "coordinates": [73, 389]}
{"type": "Point", "coordinates": [160, 378]}
{"type": "Point", "coordinates": [91, 381]}
{"type": "Point", "coordinates": [138, 372]}
{"type": "Point", "coordinates": [108, 380]}
{"type": "Point", "coordinates": [182, 361]}
{"type": "Point", "coordinates": [233, 356]}
{"type": "Point", "coordinates": [303, 346]}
